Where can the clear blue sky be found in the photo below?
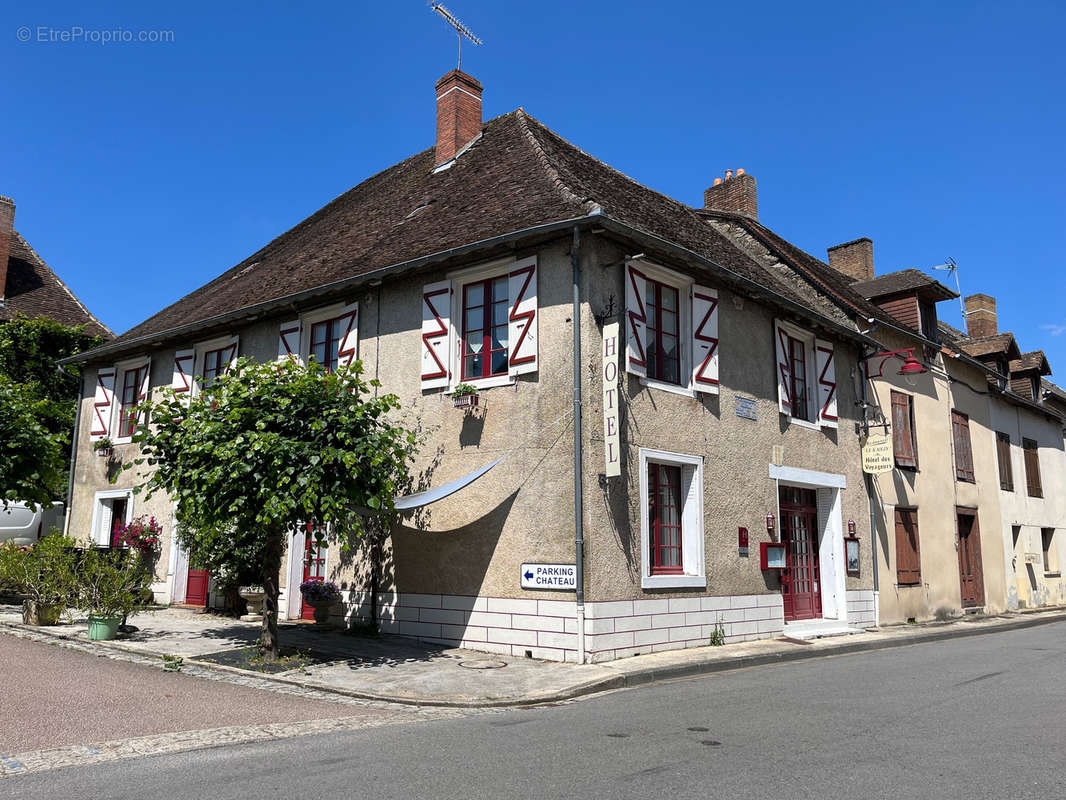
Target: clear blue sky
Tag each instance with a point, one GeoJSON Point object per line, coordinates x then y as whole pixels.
{"type": "Point", "coordinates": [140, 171]}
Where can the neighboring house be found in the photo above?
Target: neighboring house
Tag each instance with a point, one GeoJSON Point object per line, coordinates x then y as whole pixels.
{"type": "Point", "coordinates": [732, 421]}
{"type": "Point", "coordinates": [1031, 461]}
{"type": "Point", "coordinates": [28, 286]}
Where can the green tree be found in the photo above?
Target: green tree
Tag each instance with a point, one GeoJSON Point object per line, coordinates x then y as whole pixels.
{"type": "Point", "coordinates": [31, 459]}
{"type": "Point", "coordinates": [30, 350]}
{"type": "Point", "coordinates": [267, 447]}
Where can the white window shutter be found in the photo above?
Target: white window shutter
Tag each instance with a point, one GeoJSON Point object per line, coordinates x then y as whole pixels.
{"type": "Point", "coordinates": [184, 369]}
{"type": "Point", "coordinates": [436, 315]}
{"type": "Point", "coordinates": [636, 322]}
{"type": "Point", "coordinates": [230, 351]}
{"type": "Point", "coordinates": [103, 399]}
{"type": "Point", "coordinates": [522, 319]}
{"type": "Point", "coordinates": [827, 383]}
{"type": "Point", "coordinates": [784, 371]}
{"type": "Point", "coordinates": [145, 388]}
{"type": "Point", "coordinates": [348, 343]}
{"type": "Point", "coordinates": [704, 339]}
{"type": "Point", "coordinates": [289, 340]}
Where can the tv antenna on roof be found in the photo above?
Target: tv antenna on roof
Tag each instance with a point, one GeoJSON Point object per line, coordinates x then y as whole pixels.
{"type": "Point", "coordinates": [953, 269]}
{"type": "Point", "coordinates": [460, 28]}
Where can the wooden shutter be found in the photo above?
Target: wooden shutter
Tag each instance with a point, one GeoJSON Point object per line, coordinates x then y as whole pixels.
{"type": "Point", "coordinates": [103, 399]}
{"type": "Point", "coordinates": [289, 340]}
{"type": "Point", "coordinates": [704, 339]}
{"type": "Point", "coordinates": [960, 426]}
{"type": "Point", "coordinates": [184, 369]}
{"type": "Point", "coordinates": [636, 322]}
{"type": "Point", "coordinates": [229, 352]}
{"type": "Point", "coordinates": [522, 319]}
{"type": "Point", "coordinates": [1032, 468]}
{"type": "Point", "coordinates": [908, 552]}
{"type": "Point", "coordinates": [436, 315]}
{"type": "Point", "coordinates": [1006, 469]}
{"type": "Point", "coordinates": [348, 341]}
{"type": "Point", "coordinates": [903, 440]}
{"type": "Point", "coordinates": [784, 370]}
{"type": "Point", "coordinates": [827, 383]}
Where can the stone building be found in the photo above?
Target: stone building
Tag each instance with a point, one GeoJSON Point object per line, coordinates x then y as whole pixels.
{"type": "Point", "coordinates": [716, 383]}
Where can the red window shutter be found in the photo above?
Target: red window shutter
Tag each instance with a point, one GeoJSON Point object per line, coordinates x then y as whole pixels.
{"type": "Point", "coordinates": [704, 339]}
{"type": "Point", "coordinates": [103, 398]}
{"type": "Point", "coordinates": [522, 318]}
{"type": "Point", "coordinates": [827, 383]}
{"type": "Point", "coordinates": [184, 369]}
{"type": "Point", "coordinates": [348, 335]}
{"type": "Point", "coordinates": [636, 322]}
{"type": "Point", "coordinates": [289, 340]}
{"type": "Point", "coordinates": [436, 329]}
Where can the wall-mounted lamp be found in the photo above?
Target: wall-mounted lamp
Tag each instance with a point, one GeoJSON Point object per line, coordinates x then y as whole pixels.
{"type": "Point", "coordinates": [851, 527]}
{"type": "Point", "coordinates": [911, 365]}
{"type": "Point", "coordinates": [770, 519]}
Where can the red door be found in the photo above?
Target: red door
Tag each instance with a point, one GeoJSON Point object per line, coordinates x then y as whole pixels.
{"type": "Point", "coordinates": [971, 575]}
{"type": "Point", "coordinates": [801, 580]}
{"type": "Point", "coordinates": [314, 567]}
{"type": "Point", "coordinates": [196, 587]}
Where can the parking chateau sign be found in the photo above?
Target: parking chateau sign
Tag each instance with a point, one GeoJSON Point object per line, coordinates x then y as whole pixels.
{"type": "Point", "coordinates": [611, 438]}
{"type": "Point", "coordinates": [877, 456]}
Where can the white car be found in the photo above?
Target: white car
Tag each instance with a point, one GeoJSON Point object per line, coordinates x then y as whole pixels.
{"type": "Point", "coordinates": [22, 525]}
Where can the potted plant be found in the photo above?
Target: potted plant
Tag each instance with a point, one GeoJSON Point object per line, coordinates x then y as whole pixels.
{"type": "Point", "coordinates": [142, 537]}
{"type": "Point", "coordinates": [321, 595]}
{"type": "Point", "coordinates": [104, 446]}
{"type": "Point", "coordinates": [253, 596]}
{"type": "Point", "coordinates": [44, 571]}
{"type": "Point", "coordinates": [464, 396]}
{"type": "Point", "coordinates": [109, 589]}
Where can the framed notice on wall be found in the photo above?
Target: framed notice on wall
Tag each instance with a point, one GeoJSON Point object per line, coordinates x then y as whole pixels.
{"type": "Point", "coordinates": [851, 555]}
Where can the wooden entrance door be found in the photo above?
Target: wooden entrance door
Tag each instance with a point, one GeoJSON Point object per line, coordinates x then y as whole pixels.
{"type": "Point", "coordinates": [196, 587]}
{"type": "Point", "coordinates": [971, 576]}
{"type": "Point", "coordinates": [314, 567]}
{"type": "Point", "coordinates": [801, 580]}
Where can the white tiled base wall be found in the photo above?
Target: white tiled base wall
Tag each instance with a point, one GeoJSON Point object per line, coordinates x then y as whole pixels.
{"type": "Point", "coordinates": [547, 629]}
{"type": "Point", "coordinates": [861, 608]}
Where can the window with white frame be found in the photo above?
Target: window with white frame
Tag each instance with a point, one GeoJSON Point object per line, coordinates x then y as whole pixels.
{"type": "Point", "coordinates": [479, 326]}
{"type": "Point", "coordinates": [328, 336]}
{"type": "Point", "coordinates": [118, 392]}
{"type": "Point", "coordinates": [200, 365]}
{"type": "Point", "coordinates": [111, 510]}
{"type": "Point", "coordinates": [806, 376]}
{"type": "Point", "coordinates": [671, 329]}
{"type": "Point", "coordinates": [671, 514]}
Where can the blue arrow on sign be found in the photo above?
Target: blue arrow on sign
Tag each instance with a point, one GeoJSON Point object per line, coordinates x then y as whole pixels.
{"type": "Point", "coordinates": [528, 576]}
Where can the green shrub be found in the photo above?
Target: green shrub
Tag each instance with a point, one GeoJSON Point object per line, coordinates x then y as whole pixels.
{"type": "Point", "coordinates": [111, 583]}
{"type": "Point", "coordinates": [43, 571]}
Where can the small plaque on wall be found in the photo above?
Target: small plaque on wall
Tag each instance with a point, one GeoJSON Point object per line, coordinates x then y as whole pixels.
{"type": "Point", "coordinates": [746, 408]}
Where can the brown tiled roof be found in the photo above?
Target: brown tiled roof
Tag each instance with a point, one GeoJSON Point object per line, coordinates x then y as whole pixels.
{"type": "Point", "coordinates": [1035, 360]}
{"type": "Point", "coordinates": [904, 280]}
{"type": "Point", "coordinates": [34, 290]}
{"type": "Point", "coordinates": [1000, 343]}
{"type": "Point", "coordinates": [517, 175]}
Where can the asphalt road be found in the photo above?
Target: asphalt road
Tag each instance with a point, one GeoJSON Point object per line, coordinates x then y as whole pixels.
{"type": "Point", "coordinates": [973, 718]}
{"type": "Point", "coordinates": [52, 696]}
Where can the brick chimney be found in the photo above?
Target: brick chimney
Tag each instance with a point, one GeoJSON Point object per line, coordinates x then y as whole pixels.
{"type": "Point", "coordinates": [7, 226]}
{"type": "Point", "coordinates": [981, 316]}
{"type": "Point", "coordinates": [853, 258]}
{"type": "Point", "coordinates": [735, 193]}
{"type": "Point", "coordinates": [458, 113]}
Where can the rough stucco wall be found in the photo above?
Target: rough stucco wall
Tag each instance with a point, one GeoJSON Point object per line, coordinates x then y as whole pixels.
{"type": "Point", "coordinates": [737, 488]}
{"type": "Point", "coordinates": [93, 473]}
{"type": "Point", "coordinates": [935, 492]}
{"type": "Point", "coordinates": [474, 542]}
{"type": "Point", "coordinates": [1027, 582]}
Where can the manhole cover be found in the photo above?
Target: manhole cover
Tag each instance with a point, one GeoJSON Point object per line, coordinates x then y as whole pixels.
{"type": "Point", "coordinates": [485, 664]}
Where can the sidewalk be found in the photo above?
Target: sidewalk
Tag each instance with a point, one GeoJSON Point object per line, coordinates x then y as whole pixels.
{"type": "Point", "coordinates": [392, 669]}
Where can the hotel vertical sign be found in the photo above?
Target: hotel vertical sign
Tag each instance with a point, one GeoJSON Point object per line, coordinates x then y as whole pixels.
{"type": "Point", "coordinates": [611, 439]}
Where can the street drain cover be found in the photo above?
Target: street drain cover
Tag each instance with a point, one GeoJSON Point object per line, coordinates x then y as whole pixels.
{"type": "Point", "coordinates": [483, 664]}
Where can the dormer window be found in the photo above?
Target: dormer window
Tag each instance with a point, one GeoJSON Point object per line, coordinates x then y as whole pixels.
{"type": "Point", "coordinates": [927, 312]}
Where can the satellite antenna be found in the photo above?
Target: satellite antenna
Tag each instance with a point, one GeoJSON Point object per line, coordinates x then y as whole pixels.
{"type": "Point", "coordinates": [460, 28]}
{"type": "Point", "coordinates": [953, 269]}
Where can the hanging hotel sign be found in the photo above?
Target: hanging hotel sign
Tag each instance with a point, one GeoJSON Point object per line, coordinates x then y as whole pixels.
{"type": "Point", "coordinates": [549, 576]}
{"type": "Point", "coordinates": [611, 439]}
{"type": "Point", "coordinates": [877, 456]}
